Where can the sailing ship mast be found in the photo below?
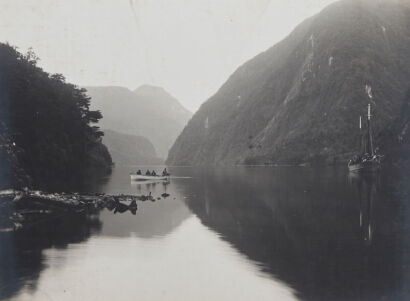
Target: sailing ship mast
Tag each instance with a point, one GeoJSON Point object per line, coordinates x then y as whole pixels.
{"type": "Point", "coordinates": [362, 148]}
{"type": "Point", "coordinates": [369, 132]}
{"type": "Point", "coordinates": [368, 159]}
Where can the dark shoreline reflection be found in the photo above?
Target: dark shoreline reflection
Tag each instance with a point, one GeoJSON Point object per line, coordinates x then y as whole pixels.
{"type": "Point", "coordinates": [328, 235]}
{"type": "Point", "coordinates": [21, 252]}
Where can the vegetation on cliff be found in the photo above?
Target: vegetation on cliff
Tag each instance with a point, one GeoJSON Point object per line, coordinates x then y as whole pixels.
{"type": "Point", "coordinates": [48, 133]}
{"type": "Point", "coordinates": [299, 101]}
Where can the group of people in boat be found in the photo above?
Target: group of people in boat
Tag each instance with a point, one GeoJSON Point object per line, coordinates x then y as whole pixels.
{"type": "Point", "coordinates": [365, 157]}
{"type": "Point", "coordinates": [358, 159]}
{"type": "Point", "coordinates": [153, 173]}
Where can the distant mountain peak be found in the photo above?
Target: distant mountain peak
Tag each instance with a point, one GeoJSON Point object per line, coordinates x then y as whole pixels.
{"type": "Point", "coordinates": [160, 96]}
{"type": "Point", "coordinates": [148, 111]}
{"type": "Point", "coordinates": [152, 90]}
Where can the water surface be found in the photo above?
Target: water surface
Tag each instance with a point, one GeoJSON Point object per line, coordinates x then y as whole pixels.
{"type": "Point", "coordinates": [245, 233]}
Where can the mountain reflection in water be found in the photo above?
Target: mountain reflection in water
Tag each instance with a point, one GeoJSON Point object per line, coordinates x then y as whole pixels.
{"type": "Point", "coordinates": [329, 235]}
{"type": "Point", "coordinates": [237, 233]}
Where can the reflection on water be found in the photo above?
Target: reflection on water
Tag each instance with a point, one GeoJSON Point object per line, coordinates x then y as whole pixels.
{"type": "Point", "coordinates": [328, 235]}
{"type": "Point", "coordinates": [237, 233]}
{"type": "Point", "coordinates": [367, 185]}
{"type": "Point", "coordinates": [21, 253]}
{"type": "Point", "coordinates": [154, 219]}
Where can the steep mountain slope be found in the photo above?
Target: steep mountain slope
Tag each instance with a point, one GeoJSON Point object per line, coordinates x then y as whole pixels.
{"type": "Point", "coordinates": [300, 100]}
{"type": "Point", "coordinates": [149, 112]}
{"type": "Point", "coordinates": [129, 149]}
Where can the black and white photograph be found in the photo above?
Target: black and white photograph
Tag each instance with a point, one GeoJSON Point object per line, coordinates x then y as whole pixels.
{"type": "Point", "coordinates": [205, 150]}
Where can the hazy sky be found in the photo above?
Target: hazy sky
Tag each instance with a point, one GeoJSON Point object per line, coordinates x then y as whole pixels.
{"type": "Point", "coordinates": [189, 47]}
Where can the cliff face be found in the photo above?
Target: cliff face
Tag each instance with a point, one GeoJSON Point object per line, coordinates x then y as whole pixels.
{"type": "Point", "coordinates": [148, 112]}
{"type": "Point", "coordinates": [300, 100]}
{"type": "Point", "coordinates": [129, 149]}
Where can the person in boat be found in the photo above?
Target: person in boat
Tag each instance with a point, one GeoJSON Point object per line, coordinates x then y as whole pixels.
{"type": "Point", "coordinates": [153, 173]}
{"type": "Point", "coordinates": [148, 173]}
{"type": "Point", "coordinates": [165, 172]}
{"type": "Point", "coordinates": [354, 160]}
{"type": "Point", "coordinates": [376, 152]}
{"type": "Point", "coordinates": [139, 172]}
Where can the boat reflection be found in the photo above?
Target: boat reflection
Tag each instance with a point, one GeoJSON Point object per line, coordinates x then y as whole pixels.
{"type": "Point", "coordinates": [150, 185]}
{"type": "Point", "coordinates": [366, 185]}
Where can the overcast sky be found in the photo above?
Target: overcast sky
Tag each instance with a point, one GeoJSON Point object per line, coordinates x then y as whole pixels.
{"type": "Point", "coordinates": [188, 47]}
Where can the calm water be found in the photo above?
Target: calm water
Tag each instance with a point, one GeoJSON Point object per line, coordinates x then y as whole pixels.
{"type": "Point", "coordinates": [246, 233]}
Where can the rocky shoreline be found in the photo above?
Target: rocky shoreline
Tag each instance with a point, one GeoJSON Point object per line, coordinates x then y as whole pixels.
{"type": "Point", "coordinates": [20, 207]}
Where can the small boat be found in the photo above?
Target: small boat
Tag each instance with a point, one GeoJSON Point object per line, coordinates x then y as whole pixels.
{"type": "Point", "coordinates": [368, 160]}
{"type": "Point", "coordinates": [136, 177]}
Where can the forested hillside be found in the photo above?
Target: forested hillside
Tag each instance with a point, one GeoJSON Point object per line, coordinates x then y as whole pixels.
{"type": "Point", "coordinates": [48, 133]}
{"type": "Point", "coordinates": [300, 101]}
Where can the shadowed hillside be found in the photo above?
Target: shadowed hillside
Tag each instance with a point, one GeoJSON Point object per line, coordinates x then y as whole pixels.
{"type": "Point", "coordinates": [129, 149]}
{"type": "Point", "coordinates": [48, 134]}
{"type": "Point", "coordinates": [300, 100]}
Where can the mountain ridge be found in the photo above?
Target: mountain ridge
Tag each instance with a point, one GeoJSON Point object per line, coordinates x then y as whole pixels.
{"type": "Point", "coordinates": [328, 68]}
{"type": "Point", "coordinates": [153, 114]}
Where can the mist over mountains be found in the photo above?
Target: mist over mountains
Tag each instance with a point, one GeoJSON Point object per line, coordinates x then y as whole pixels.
{"type": "Point", "coordinates": [130, 149]}
{"type": "Point", "coordinates": [300, 101]}
{"type": "Point", "coordinates": [148, 112]}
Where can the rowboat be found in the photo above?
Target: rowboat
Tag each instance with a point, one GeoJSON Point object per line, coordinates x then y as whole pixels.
{"type": "Point", "coordinates": [135, 177]}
